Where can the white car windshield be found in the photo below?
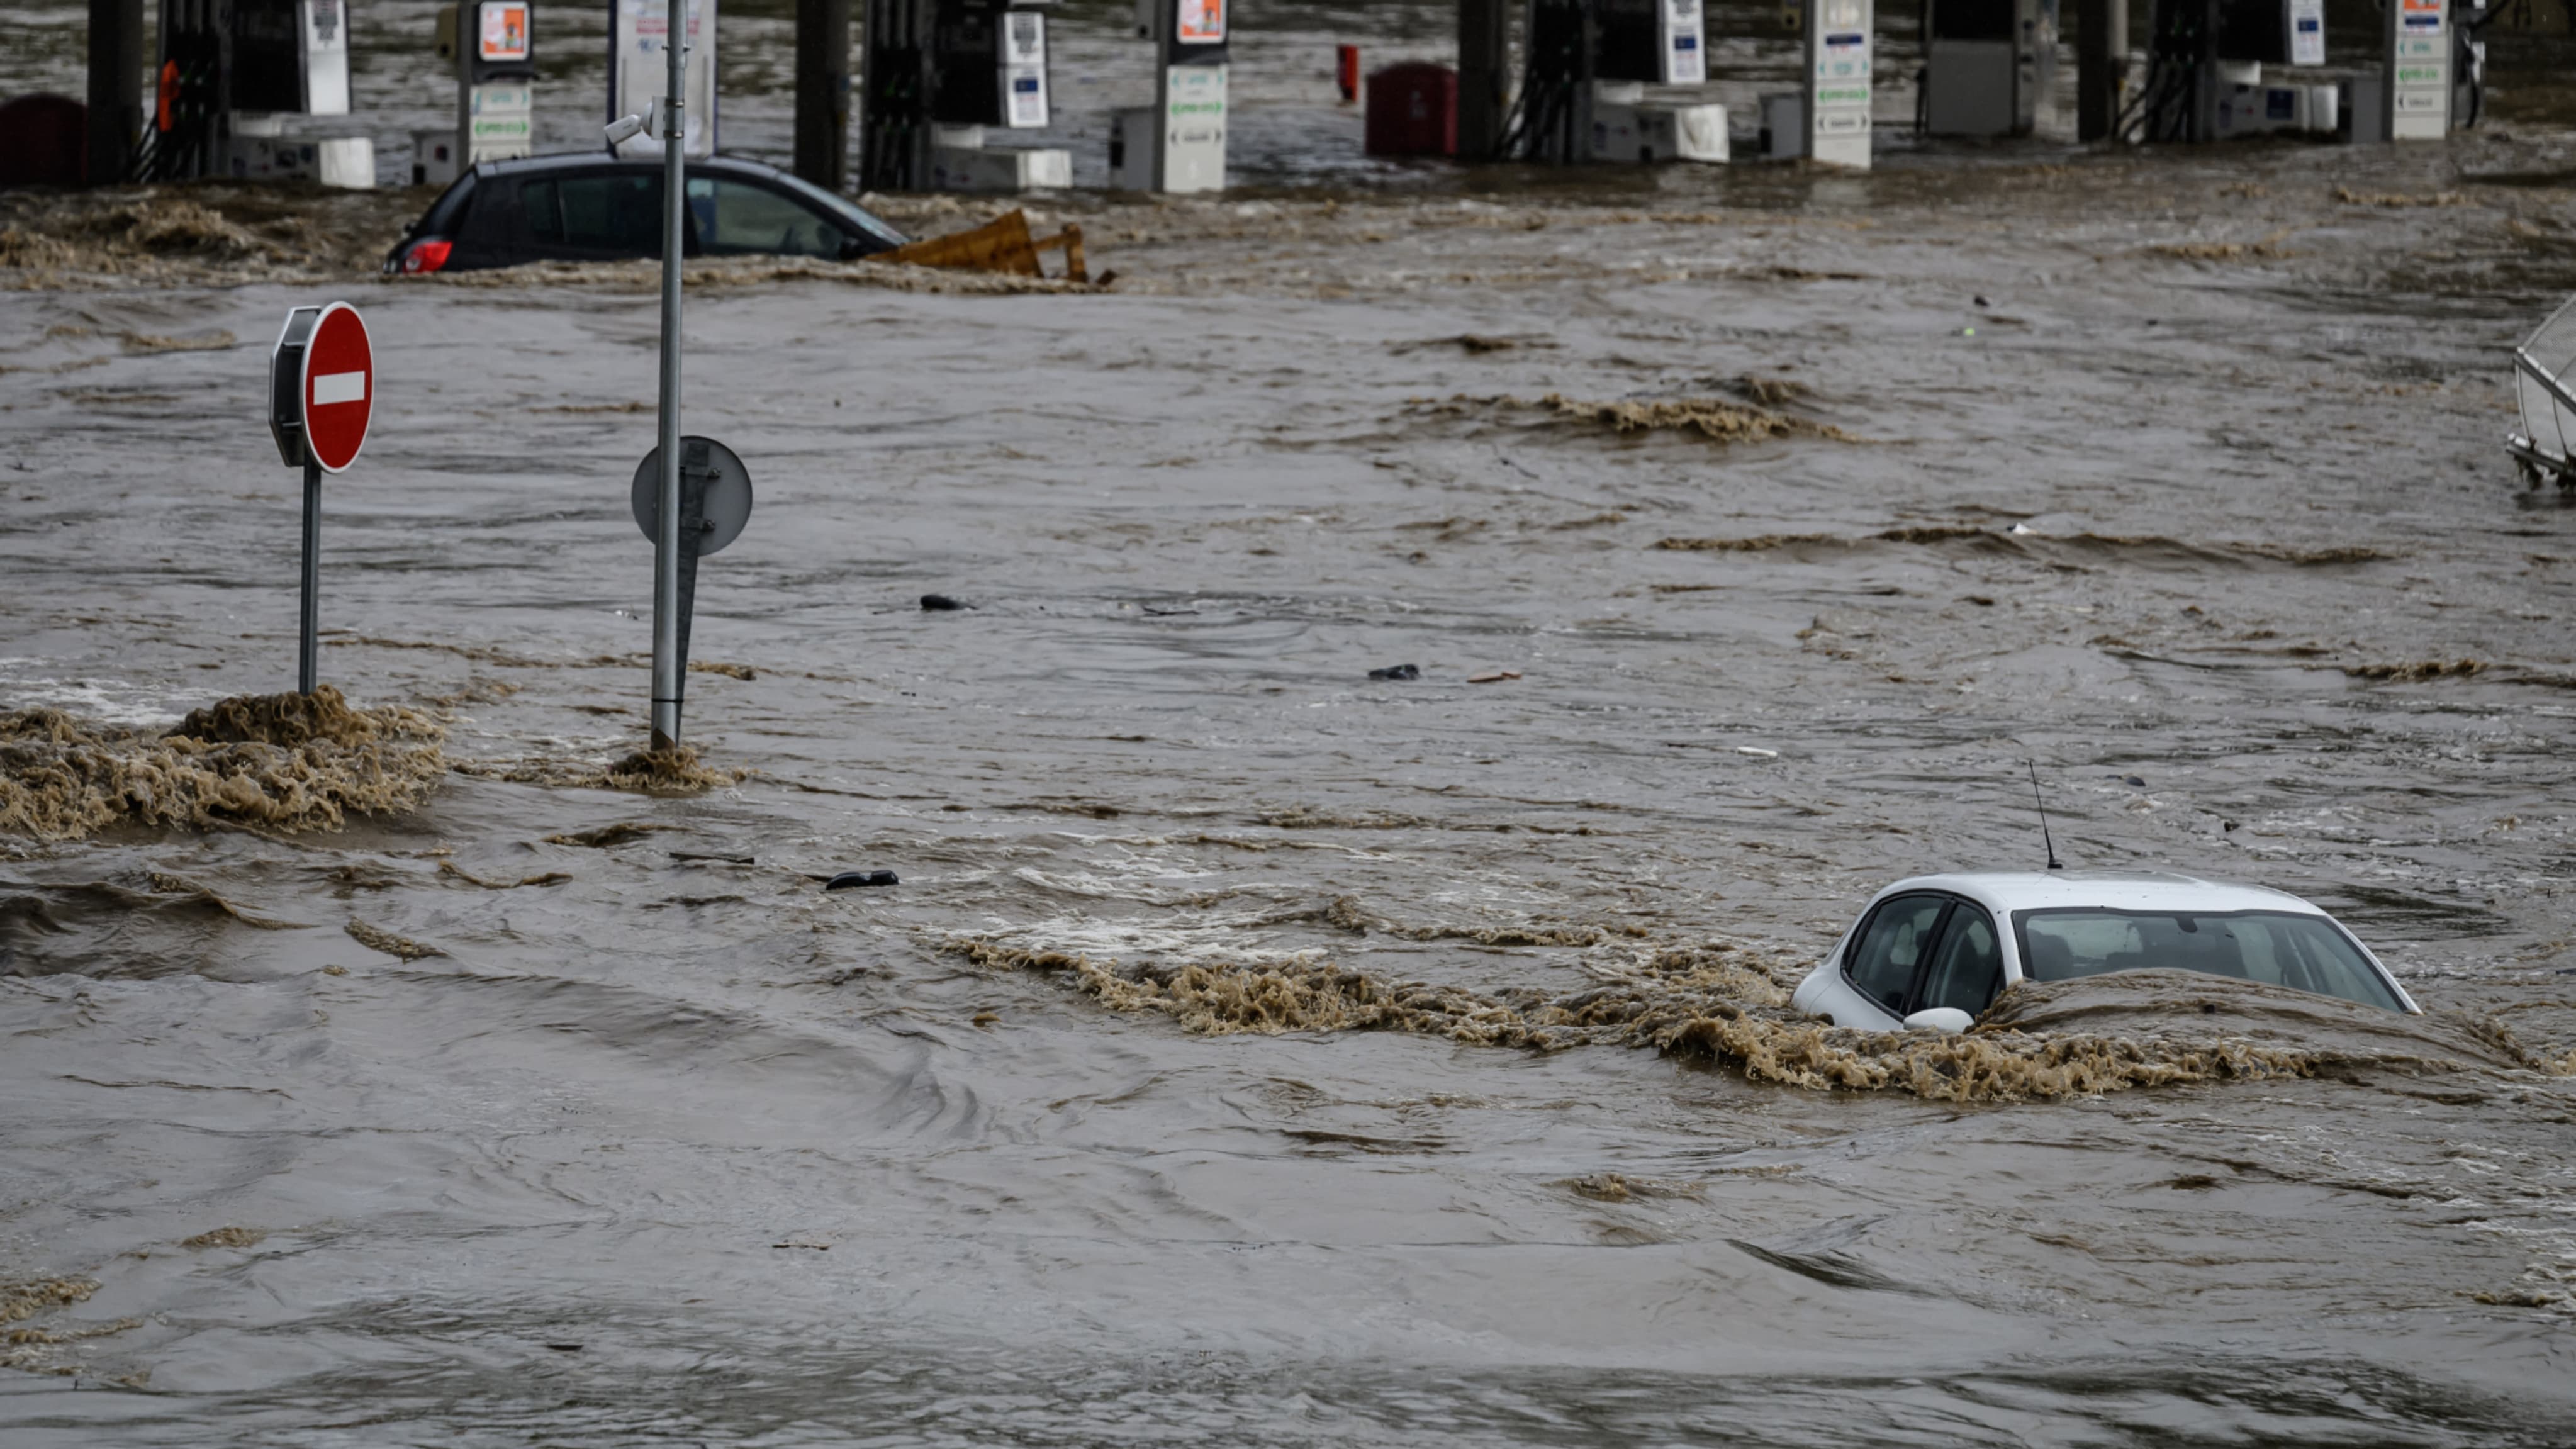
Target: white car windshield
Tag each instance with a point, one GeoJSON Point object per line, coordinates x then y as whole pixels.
{"type": "Point", "coordinates": [2304, 953]}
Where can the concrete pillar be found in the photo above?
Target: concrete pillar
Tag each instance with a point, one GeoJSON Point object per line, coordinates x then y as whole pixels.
{"type": "Point", "coordinates": [1484, 76]}
{"type": "Point", "coordinates": [115, 87]}
{"type": "Point", "coordinates": [2101, 65]}
{"type": "Point", "coordinates": [822, 91]}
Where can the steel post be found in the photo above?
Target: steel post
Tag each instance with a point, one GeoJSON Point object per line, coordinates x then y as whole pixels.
{"type": "Point", "coordinates": [115, 88]}
{"type": "Point", "coordinates": [2101, 68]}
{"type": "Point", "coordinates": [823, 91]}
{"type": "Point", "coordinates": [667, 664]}
{"type": "Point", "coordinates": [1484, 68]}
{"type": "Point", "coordinates": [308, 641]}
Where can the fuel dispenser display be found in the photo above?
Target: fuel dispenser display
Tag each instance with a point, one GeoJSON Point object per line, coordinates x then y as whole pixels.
{"type": "Point", "coordinates": [1024, 70]}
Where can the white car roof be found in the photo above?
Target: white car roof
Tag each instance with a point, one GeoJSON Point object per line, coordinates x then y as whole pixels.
{"type": "Point", "coordinates": [2126, 890]}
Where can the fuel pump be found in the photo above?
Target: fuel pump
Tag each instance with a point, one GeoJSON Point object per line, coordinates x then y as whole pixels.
{"type": "Point", "coordinates": [251, 88]}
{"type": "Point", "coordinates": [1988, 65]}
{"type": "Point", "coordinates": [638, 70]}
{"type": "Point", "coordinates": [938, 77]}
{"type": "Point", "coordinates": [2205, 70]}
{"type": "Point", "coordinates": [2415, 89]}
{"type": "Point", "coordinates": [2469, 61]}
{"type": "Point", "coordinates": [1585, 68]}
{"type": "Point", "coordinates": [1177, 144]}
{"type": "Point", "coordinates": [496, 81]}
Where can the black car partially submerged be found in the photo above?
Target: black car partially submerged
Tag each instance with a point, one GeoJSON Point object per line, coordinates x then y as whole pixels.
{"type": "Point", "coordinates": [591, 206]}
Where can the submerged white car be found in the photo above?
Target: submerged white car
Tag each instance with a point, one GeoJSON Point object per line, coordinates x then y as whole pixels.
{"type": "Point", "coordinates": [1936, 950]}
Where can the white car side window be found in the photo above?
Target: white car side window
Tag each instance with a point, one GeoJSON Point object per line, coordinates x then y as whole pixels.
{"type": "Point", "coordinates": [1891, 947]}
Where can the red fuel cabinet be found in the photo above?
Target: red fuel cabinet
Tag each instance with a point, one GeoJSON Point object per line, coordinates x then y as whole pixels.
{"type": "Point", "coordinates": [1413, 111]}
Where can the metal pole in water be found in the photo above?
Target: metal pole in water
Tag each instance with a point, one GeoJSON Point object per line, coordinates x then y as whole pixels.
{"type": "Point", "coordinates": [2101, 68]}
{"type": "Point", "coordinates": [1484, 56]}
{"type": "Point", "coordinates": [308, 650]}
{"type": "Point", "coordinates": [666, 541]}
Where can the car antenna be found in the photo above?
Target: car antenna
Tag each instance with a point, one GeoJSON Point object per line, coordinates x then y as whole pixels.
{"type": "Point", "coordinates": [2043, 816]}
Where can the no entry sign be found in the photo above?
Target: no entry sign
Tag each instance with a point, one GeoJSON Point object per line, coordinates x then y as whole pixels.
{"type": "Point", "coordinates": [339, 387]}
{"type": "Point", "coordinates": [321, 392]}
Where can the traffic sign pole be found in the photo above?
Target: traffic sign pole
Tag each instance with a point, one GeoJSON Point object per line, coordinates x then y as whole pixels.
{"type": "Point", "coordinates": [308, 654]}
{"type": "Point", "coordinates": [668, 667]}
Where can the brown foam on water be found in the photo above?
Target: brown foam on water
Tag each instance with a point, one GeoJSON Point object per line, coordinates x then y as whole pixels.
{"type": "Point", "coordinates": [22, 1301]}
{"type": "Point", "coordinates": [1347, 913]}
{"type": "Point", "coordinates": [377, 938]}
{"type": "Point", "coordinates": [1302, 817]}
{"type": "Point", "coordinates": [2350, 197]}
{"type": "Point", "coordinates": [139, 236]}
{"type": "Point", "coordinates": [2416, 673]}
{"type": "Point", "coordinates": [1712, 418]}
{"type": "Point", "coordinates": [282, 761]}
{"type": "Point", "coordinates": [1617, 1187]}
{"type": "Point", "coordinates": [30, 1349]}
{"type": "Point", "coordinates": [1764, 542]}
{"type": "Point", "coordinates": [1727, 1006]}
{"type": "Point", "coordinates": [665, 772]}
{"type": "Point", "coordinates": [2267, 249]}
{"type": "Point", "coordinates": [1722, 422]}
{"type": "Point", "coordinates": [652, 772]}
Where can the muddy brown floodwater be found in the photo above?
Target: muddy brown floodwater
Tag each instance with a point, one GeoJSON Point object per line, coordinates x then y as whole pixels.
{"type": "Point", "coordinates": [1254, 1051]}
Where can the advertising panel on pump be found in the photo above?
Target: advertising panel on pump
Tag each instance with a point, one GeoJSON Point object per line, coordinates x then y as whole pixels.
{"type": "Point", "coordinates": [1202, 22]}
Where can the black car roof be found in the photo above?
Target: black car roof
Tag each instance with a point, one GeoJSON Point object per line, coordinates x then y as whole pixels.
{"type": "Point", "coordinates": [602, 159]}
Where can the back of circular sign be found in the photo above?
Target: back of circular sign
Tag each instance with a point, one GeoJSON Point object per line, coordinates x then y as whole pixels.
{"type": "Point", "coordinates": [726, 508]}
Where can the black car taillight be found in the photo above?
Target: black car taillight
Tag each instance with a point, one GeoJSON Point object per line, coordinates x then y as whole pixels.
{"type": "Point", "coordinates": [426, 255]}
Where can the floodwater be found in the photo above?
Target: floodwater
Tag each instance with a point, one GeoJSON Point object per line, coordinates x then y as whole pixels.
{"type": "Point", "coordinates": [1255, 1051]}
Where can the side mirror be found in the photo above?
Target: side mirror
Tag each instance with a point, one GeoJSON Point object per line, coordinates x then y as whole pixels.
{"type": "Point", "coordinates": [1947, 1020]}
{"type": "Point", "coordinates": [852, 248]}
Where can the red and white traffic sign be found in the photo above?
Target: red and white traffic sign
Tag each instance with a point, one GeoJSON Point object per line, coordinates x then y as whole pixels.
{"type": "Point", "coordinates": [339, 387]}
